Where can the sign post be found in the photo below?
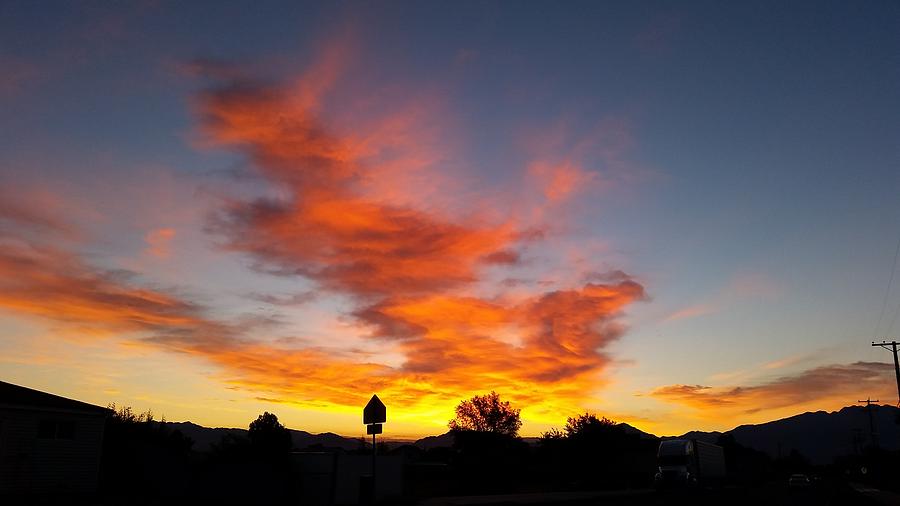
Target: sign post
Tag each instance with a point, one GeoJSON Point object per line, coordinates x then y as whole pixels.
{"type": "Point", "coordinates": [374, 414]}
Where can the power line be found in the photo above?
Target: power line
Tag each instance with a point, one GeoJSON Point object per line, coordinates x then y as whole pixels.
{"type": "Point", "coordinates": [887, 293]}
{"type": "Point", "coordinates": [894, 319]}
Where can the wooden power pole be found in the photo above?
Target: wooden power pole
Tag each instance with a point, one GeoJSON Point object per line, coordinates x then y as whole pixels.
{"type": "Point", "coordinates": [893, 347]}
{"type": "Point", "coordinates": [872, 434]}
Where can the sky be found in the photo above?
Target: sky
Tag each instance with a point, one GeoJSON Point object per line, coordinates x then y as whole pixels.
{"type": "Point", "coordinates": [676, 215]}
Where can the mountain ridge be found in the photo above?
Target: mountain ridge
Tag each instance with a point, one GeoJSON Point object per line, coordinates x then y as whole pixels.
{"type": "Point", "coordinates": [817, 435]}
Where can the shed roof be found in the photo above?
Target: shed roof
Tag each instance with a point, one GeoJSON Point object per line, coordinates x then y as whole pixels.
{"type": "Point", "coordinates": [20, 396]}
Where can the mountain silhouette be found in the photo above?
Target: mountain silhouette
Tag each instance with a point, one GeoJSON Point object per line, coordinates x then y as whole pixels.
{"type": "Point", "coordinates": [205, 437]}
{"type": "Point", "coordinates": [628, 429]}
{"type": "Point", "coordinates": [429, 442]}
{"type": "Point", "coordinates": [819, 436]}
{"type": "Point", "coordinates": [445, 440]}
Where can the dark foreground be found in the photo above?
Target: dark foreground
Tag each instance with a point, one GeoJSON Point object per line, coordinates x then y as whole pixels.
{"type": "Point", "coordinates": [772, 494]}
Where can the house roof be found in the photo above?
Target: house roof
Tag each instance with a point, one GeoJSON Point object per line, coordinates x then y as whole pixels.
{"type": "Point", "coordinates": [19, 396]}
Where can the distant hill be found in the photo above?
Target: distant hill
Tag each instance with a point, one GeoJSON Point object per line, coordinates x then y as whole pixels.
{"type": "Point", "coordinates": [819, 436]}
{"type": "Point", "coordinates": [628, 429]}
{"type": "Point", "coordinates": [427, 443]}
{"type": "Point", "coordinates": [709, 437]}
{"type": "Point", "coordinates": [446, 439]}
{"type": "Point", "coordinates": [205, 437]}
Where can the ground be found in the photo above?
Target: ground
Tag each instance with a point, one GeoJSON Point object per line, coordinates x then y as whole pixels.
{"type": "Point", "coordinates": [770, 494]}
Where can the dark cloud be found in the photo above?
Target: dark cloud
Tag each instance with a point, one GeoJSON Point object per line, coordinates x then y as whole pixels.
{"type": "Point", "coordinates": [296, 299]}
{"type": "Point", "coordinates": [838, 382]}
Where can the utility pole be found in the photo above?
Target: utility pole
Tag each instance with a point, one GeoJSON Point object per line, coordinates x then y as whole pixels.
{"type": "Point", "coordinates": [872, 434]}
{"type": "Point", "coordinates": [374, 490]}
{"type": "Point", "coordinates": [857, 440]}
{"type": "Point", "coordinates": [893, 347]}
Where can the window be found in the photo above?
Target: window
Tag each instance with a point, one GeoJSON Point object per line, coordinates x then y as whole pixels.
{"type": "Point", "coordinates": [56, 429]}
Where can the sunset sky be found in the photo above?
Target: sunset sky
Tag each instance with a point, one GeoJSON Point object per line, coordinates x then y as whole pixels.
{"type": "Point", "coordinates": [676, 215]}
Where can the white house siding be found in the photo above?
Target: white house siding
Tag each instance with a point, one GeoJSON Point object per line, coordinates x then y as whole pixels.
{"type": "Point", "coordinates": [31, 464]}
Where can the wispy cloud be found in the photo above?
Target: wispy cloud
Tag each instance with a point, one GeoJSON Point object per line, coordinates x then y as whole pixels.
{"type": "Point", "coordinates": [295, 299]}
{"type": "Point", "coordinates": [691, 312]}
{"type": "Point", "coordinates": [28, 210]}
{"type": "Point", "coordinates": [826, 386]}
{"type": "Point", "coordinates": [740, 288]}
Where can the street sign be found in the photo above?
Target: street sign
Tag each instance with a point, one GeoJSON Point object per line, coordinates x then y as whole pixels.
{"type": "Point", "coordinates": [374, 412]}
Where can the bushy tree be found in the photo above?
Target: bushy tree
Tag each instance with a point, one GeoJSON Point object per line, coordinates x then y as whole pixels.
{"type": "Point", "coordinates": [486, 413]}
{"type": "Point", "coordinates": [488, 456]}
{"type": "Point", "coordinates": [268, 436]}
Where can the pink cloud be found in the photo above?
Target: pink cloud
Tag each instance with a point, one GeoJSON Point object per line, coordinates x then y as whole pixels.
{"type": "Point", "coordinates": [159, 241]}
{"type": "Point", "coordinates": [691, 312]}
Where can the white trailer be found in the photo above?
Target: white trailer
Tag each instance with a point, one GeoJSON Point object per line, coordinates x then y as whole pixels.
{"type": "Point", "coordinates": [689, 462]}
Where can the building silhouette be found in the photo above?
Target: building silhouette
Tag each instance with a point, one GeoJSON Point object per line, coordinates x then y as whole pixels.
{"type": "Point", "coordinates": [48, 444]}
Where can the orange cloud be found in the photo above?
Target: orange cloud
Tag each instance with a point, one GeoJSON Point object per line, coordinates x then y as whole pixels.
{"type": "Point", "coordinates": [830, 385]}
{"type": "Point", "coordinates": [558, 181]}
{"type": "Point", "coordinates": [409, 268]}
{"type": "Point", "coordinates": [451, 354]}
{"type": "Point", "coordinates": [567, 160]}
{"type": "Point", "coordinates": [350, 217]}
{"type": "Point", "coordinates": [52, 283]}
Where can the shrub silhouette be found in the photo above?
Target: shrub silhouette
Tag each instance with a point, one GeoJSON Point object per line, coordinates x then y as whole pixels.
{"type": "Point", "coordinates": [488, 462]}
{"type": "Point", "coordinates": [140, 453]}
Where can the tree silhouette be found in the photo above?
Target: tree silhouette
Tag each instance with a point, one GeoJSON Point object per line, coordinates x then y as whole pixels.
{"type": "Point", "coordinates": [486, 413]}
{"type": "Point", "coordinates": [587, 425]}
{"type": "Point", "coordinates": [596, 452]}
{"type": "Point", "coordinates": [250, 469]}
{"type": "Point", "coordinates": [268, 436]}
{"type": "Point", "coordinates": [141, 453]}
